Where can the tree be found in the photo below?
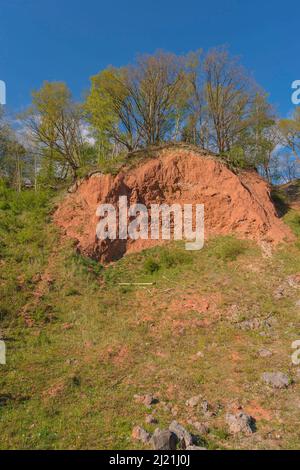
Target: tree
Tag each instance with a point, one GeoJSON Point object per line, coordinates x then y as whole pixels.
{"type": "Point", "coordinates": [259, 137]}
{"type": "Point", "coordinates": [196, 124]}
{"type": "Point", "coordinates": [55, 123]}
{"type": "Point", "coordinates": [141, 104]}
{"type": "Point", "coordinates": [228, 95]}
{"type": "Point", "coordinates": [107, 110]}
{"type": "Point", "coordinates": [228, 114]}
{"type": "Point", "coordinates": [12, 154]}
{"type": "Point", "coordinates": [290, 133]}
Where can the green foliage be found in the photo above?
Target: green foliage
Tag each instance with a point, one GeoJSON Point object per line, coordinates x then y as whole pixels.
{"type": "Point", "coordinates": [172, 258]}
{"type": "Point", "coordinates": [55, 123]}
{"type": "Point", "coordinates": [23, 244]}
{"type": "Point", "coordinates": [202, 98]}
{"type": "Point", "coordinates": [166, 258]}
{"type": "Point", "coordinates": [106, 97]}
{"type": "Point", "coordinates": [236, 157]}
{"type": "Point", "coordinates": [151, 266]}
{"type": "Point", "coordinates": [94, 343]}
{"type": "Point", "coordinates": [88, 266]}
{"type": "Point", "coordinates": [292, 218]}
{"type": "Point", "coordinates": [290, 130]}
{"type": "Point", "coordinates": [141, 104]}
{"type": "Point", "coordinates": [227, 248]}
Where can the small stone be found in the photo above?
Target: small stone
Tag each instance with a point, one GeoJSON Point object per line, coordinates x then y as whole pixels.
{"type": "Point", "coordinates": [193, 401]}
{"type": "Point", "coordinates": [293, 280]}
{"type": "Point", "coordinates": [149, 400]}
{"type": "Point", "coordinates": [297, 303]}
{"type": "Point", "coordinates": [252, 324]}
{"type": "Point", "coordinates": [150, 419]}
{"type": "Point", "coordinates": [240, 422]}
{"type": "Point", "coordinates": [207, 409]}
{"type": "Point", "coordinates": [297, 373]}
{"type": "Point", "coordinates": [146, 400]}
{"type": "Point", "coordinates": [265, 353]}
{"type": "Point", "coordinates": [195, 448]}
{"type": "Point", "coordinates": [166, 406]}
{"type": "Point", "coordinates": [184, 437]}
{"type": "Point", "coordinates": [276, 379]}
{"type": "Point", "coordinates": [279, 292]}
{"type": "Point", "coordinates": [205, 406]}
{"type": "Point", "coordinates": [163, 440]}
{"type": "Point", "coordinates": [139, 434]}
{"type": "Point", "coordinates": [199, 354]}
{"type": "Point", "coordinates": [202, 428]}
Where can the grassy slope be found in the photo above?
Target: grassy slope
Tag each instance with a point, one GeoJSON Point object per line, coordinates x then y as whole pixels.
{"type": "Point", "coordinates": [79, 345]}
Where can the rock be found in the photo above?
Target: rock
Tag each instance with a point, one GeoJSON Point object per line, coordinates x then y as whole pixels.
{"type": "Point", "coordinates": [276, 379]}
{"type": "Point", "coordinates": [166, 406]}
{"type": "Point", "coordinates": [297, 373]}
{"type": "Point", "coordinates": [139, 434]}
{"type": "Point", "coordinates": [150, 419]}
{"type": "Point", "coordinates": [163, 440]}
{"type": "Point", "coordinates": [256, 323]}
{"type": "Point", "coordinates": [252, 324]}
{"type": "Point", "coordinates": [293, 280]}
{"type": "Point", "coordinates": [184, 437]}
{"type": "Point", "coordinates": [195, 448]}
{"type": "Point", "coordinates": [199, 354]}
{"type": "Point", "coordinates": [146, 400]}
{"type": "Point", "coordinates": [205, 406]}
{"type": "Point", "coordinates": [240, 422]}
{"type": "Point", "coordinates": [297, 303]}
{"type": "Point", "coordinates": [193, 401]}
{"type": "Point", "coordinates": [207, 409]}
{"type": "Point", "coordinates": [265, 353]}
{"type": "Point", "coordinates": [71, 361]}
{"type": "Point", "coordinates": [279, 293]}
{"type": "Point", "coordinates": [176, 166]}
{"type": "Point", "coordinates": [202, 428]}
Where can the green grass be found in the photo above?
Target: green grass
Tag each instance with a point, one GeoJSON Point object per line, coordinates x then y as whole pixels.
{"type": "Point", "coordinates": [292, 218]}
{"type": "Point", "coordinates": [72, 373]}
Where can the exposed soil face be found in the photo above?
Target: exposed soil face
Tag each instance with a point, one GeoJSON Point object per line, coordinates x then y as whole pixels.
{"type": "Point", "coordinates": [234, 204]}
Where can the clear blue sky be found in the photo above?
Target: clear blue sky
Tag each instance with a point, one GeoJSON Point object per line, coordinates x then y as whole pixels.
{"type": "Point", "coordinates": [71, 40]}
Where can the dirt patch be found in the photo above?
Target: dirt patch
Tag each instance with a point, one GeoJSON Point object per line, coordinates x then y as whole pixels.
{"type": "Point", "coordinates": [256, 410]}
{"type": "Point", "coordinates": [55, 390]}
{"type": "Point", "coordinates": [234, 204]}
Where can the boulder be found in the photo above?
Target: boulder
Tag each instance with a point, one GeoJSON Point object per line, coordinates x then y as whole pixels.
{"type": "Point", "coordinates": [163, 440]}
{"type": "Point", "coordinates": [193, 401]}
{"type": "Point", "coordinates": [240, 422]}
{"type": "Point", "coordinates": [276, 379]}
{"type": "Point", "coordinates": [184, 437]}
{"type": "Point", "coordinates": [139, 434]}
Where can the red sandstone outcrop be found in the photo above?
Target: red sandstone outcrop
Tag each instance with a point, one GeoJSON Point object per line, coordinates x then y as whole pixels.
{"type": "Point", "coordinates": [234, 204]}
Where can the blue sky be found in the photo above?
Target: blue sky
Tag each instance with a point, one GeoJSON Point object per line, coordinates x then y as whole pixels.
{"type": "Point", "coordinates": [71, 40]}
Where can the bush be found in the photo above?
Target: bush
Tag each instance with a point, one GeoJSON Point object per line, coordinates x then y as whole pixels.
{"type": "Point", "coordinates": [151, 266]}
{"type": "Point", "coordinates": [228, 248]}
{"type": "Point", "coordinates": [171, 259]}
{"type": "Point", "coordinates": [292, 218]}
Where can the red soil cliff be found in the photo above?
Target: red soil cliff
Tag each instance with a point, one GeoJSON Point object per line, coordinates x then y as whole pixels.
{"type": "Point", "coordinates": [234, 204]}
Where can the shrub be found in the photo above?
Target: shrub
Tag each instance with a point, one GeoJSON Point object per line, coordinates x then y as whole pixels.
{"type": "Point", "coordinates": [228, 248]}
{"type": "Point", "coordinates": [151, 266]}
